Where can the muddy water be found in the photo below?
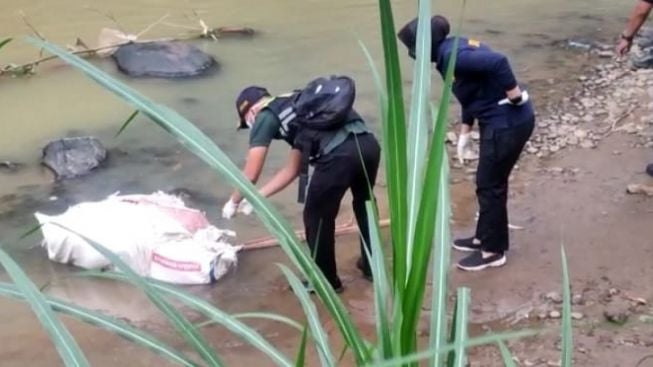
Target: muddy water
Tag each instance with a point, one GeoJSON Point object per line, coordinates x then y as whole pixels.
{"type": "Point", "coordinates": [297, 40]}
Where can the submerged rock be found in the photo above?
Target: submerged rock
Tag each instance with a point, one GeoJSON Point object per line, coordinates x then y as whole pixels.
{"type": "Point", "coordinates": [73, 157]}
{"type": "Point", "coordinates": [165, 59]}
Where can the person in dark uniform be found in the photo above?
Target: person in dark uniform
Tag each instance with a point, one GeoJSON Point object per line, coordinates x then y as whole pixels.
{"type": "Point", "coordinates": [338, 166]}
{"type": "Point", "coordinates": [635, 21]}
{"type": "Point", "coordinates": [488, 92]}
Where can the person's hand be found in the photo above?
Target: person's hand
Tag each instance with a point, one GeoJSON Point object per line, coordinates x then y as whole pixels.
{"type": "Point", "coordinates": [516, 101]}
{"type": "Point", "coordinates": [245, 207]}
{"type": "Point", "coordinates": [229, 209]}
{"type": "Point", "coordinates": [623, 46]}
{"type": "Point", "coordinates": [463, 146]}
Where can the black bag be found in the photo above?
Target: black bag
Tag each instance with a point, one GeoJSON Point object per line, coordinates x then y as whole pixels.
{"type": "Point", "coordinates": [325, 104]}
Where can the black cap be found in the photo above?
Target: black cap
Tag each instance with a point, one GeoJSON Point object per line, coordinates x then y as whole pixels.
{"type": "Point", "coordinates": [439, 31]}
{"type": "Point", "coordinates": [246, 99]}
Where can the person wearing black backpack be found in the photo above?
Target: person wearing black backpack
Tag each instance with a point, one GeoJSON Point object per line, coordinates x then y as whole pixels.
{"type": "Point", "coordinates": [488, 92]}
{"type": "Point", "coordinates": [323, 130]}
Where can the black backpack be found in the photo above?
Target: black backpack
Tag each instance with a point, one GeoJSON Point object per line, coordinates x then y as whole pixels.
{"type": "Point", "coordinates": [322, 107]}
{"type": "Point", "coordinates": [325, 103]}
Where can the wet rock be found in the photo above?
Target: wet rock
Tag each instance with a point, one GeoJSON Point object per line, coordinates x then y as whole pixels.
{"type": "Point", "coordinates": [73, 157]}
{"type": "Point", "coordinates": [163, 59]}
{"type": "Point", "coordinates": [617, 314]}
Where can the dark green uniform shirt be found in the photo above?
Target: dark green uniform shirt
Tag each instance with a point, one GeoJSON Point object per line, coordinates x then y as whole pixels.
{"type": "Point", "coordinates": [266, 128]}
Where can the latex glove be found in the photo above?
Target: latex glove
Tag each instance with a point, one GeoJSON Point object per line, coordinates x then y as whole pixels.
{"type": "Point", "coordinates": [245, 207]}
{"type": "Point", "coordinates": [463, 146]}
{"type": "Point", "coordinates": [524, 98]}
{"type": "Point", "coordinates": [229, 209]}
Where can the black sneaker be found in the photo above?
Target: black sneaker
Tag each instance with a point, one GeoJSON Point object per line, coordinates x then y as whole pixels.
{"type": "Point", "coordinates": [367, 274]}
{"type": "Point", "coordinates": [476, 262]}
{"type": "Point", "coordinates": [649, 169]}
{"type": "Point", "coordinates": [311, 290]}
{"type": "Point", "coordinates": [467, 244]}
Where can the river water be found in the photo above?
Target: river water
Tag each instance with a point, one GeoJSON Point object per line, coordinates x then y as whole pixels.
{"type": "Point", "coordinates": [296, 41]}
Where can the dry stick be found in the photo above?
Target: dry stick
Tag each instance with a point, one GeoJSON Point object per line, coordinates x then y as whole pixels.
{"type": "Point", "coordinates": [270, 241]}
{"type": "Point", "coordinates": [33, 29]}
{"type": "Point", "coordinates": [149, 27]}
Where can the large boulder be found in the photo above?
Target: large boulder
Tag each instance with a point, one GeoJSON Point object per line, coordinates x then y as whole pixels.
{"type": "Point", "coordinates": [73, 157]}
{"type": "Point", "coordinates": [164, 59]}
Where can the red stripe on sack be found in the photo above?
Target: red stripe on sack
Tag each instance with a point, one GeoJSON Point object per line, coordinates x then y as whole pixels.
{"type": "Point", "coordinates": [176, 265]}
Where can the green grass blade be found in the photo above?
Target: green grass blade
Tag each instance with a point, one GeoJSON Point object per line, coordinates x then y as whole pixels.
{"type": "Point", "coordinates": [425, 230]}
{"type": "Point", "coordinates": [184, 327]}
{"type": "Point", "coordinates": [462, 320]}
{"type": "Point", "coordinates": [301, 354]}
{"type": "Point", "coordinates": [5, 42]}
{"type": "Point", "coordinates": [126, 123]}
{"type": "Point", "coordinates": [418, 128]}
{"type": "Point", "coordinates": [199, 144]}
{"type": "Point", "coordinates": [313, 318]}
{"type": "Point", "coordinates": [439, 276]}
{"type": "Point", "coordinates": [217, 316]}
{"type": "Point", "coordinates": [376, 76]}
{"type": "Point", "coordinates": [508, 360]}
{"type": "Point", "coordinates": [66, 346]}
{"type": "Point", "coordinates": [116, 326]}
{"type": "Point", "coordinates": [567, 330]}
{"type": "Point", "coordinates": [382, 290]}
{"type": "Point", "coordinates": [394, 138]}
{"type": "Point", "coordinates": [469, 343]}
{"type": "Point", "coordinates": [271, 317]}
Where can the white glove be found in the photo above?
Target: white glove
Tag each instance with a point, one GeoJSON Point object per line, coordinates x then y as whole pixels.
{"type": "Point", "coordinates": [229, 209]}
{"type": "Point", "coordinates": [245, 207]}
{"type": "Point", "coordinates": [463, 146]}
{"type": "Point", "coordinates": [524, 98]}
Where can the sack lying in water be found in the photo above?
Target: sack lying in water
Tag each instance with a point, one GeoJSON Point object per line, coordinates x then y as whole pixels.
{"type": "Point", "coordinates": [156, 235]}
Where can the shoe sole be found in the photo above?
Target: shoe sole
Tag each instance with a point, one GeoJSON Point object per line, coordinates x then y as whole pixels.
{"type": "Point", "coordinates": [495, 264]}
{"type": "Point", "coordinates": [465, 249]}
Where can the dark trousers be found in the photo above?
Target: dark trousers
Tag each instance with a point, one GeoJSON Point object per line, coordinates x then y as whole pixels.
{"type": "Point", "coordinates": [498, 154]}
{"type": "Point", "coordinates": [345, 168]}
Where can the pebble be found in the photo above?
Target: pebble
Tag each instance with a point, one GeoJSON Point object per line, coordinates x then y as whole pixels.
{"type": "Point", "coordinates": [577, 316]}
{"type": "Point", "coordinates": [555, 315]}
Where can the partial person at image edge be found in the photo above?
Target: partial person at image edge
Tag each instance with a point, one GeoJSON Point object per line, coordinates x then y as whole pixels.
{"type": "Point", "coordinates": [637, 18]}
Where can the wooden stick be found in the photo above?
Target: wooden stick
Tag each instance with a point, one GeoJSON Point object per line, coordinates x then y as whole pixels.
{"type": "Point", "coordinates": [271, 241]}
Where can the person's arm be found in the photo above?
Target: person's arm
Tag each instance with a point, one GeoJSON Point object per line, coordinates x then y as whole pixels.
{"type": "Point", "coordinates": [285, 176]}
{"type": "Point", "coordinates": [637, 18]}
{"type": "Point", "coordinates": [253, 168]}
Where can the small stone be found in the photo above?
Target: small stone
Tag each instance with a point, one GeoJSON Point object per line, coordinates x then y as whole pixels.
{"type": "Point", "coordinates": [587, 144]}
{"type": "Point", "coordinates": [554, 363]}
{"type": "Point", "coordinates": [605, 54]}
{"type": "Point", "coordinates": [580, 134]}
{"type": "Point", "coordinates": [554, 297]}
{"type": "Point", "coordinates": [577, 316]}
{"type": "Point", "coordinates": [528, 363]}
{"type": "Point", "coordinates": [646, 319]}
{"type": "Point", "coordinates": [452, 137]}
{"type": "Point", "coordinates": [554, 148]}
{"type": "Point", "coordinates": [476, 135]}
{"type": "Point", "coordinates": [617, 315]}
{"type": "Point", "coordinates": [532, 150]}
{"type": "Point", "coordinates": [577, 300]}
{"type": "Point", "coordinates": [554, 315]}
{"type": "Point", "coordinates": [616, 152]}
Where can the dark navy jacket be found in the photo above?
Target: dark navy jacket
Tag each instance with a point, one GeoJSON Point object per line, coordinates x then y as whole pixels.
{"type": "Point", "coordinates": [482, 78]}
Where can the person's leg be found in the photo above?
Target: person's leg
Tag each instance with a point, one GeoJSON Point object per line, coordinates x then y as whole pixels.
{"type": "Point", "coordinates": [497, 159]}
{"type": "Point", "coordinates": [325, 192]}
{"type": "Point", "coordinates": [368, 156]}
